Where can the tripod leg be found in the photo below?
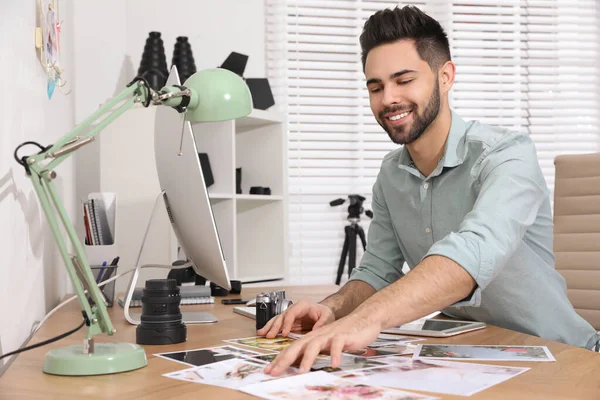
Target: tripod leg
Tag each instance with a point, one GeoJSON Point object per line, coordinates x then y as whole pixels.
{"type": "Point", "coordinates": [340, 270]}
{"type": "Point", "coordinates": [361, 234]}
{"type": "Point", "coordinates": [352, 250]}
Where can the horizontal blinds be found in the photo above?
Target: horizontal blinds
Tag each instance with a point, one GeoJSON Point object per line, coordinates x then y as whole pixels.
{"type": "Point", "coordinates": [527, 65]}
{"type": "Point", "coordinates": [530, 66]}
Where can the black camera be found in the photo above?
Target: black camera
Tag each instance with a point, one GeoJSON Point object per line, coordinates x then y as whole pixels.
{"type": "Point", "coordinates": [355, 209]}
{"type": "Point", "coordinates": [268, 305]}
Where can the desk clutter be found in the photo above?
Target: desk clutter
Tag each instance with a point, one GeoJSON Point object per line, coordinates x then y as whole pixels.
{"type": "Point", "coordinates": [192, 294]}
{"type": "Point", "coordinates": [382, 370]}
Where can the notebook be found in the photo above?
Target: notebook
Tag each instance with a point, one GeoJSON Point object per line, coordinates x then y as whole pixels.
{"type": "Point", "coordinates": [249, 312]}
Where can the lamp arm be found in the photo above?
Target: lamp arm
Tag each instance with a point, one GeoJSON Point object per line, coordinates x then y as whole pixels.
{"type": "Point", "coordinates": [42, 175]}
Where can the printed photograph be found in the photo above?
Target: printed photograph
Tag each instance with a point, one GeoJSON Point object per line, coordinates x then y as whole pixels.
{"type": "Point", "coordinates": [385, 339]}
{"type": "Point", "coordinates": [198, 357]}
{"type": "Point", "coordinates": [323, 386]}
{"type": "Point", "coordinates": [233, 373]}
{"type": "Point", "coordinates": [264, 358]}
{"type": "Point", "coordinates": [276, 344]}
{"type": "Point", "coordinates": [484, 353]}
{"type": "Point", "coordinates": [235, 350]}
{"type": "Point", "coordinates": [449, 377]}
{"type": "Point", "coordinates": [382, 351]}
{"type": "Point", "coordinates": [347, 363]}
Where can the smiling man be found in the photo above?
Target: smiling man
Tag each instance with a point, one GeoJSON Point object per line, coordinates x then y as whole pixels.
{"type": "Point", "coordinates": [464, 204]}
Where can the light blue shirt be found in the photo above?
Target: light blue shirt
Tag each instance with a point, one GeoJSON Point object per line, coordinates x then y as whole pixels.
{"type": "Point", "coordinates": [486, 206]}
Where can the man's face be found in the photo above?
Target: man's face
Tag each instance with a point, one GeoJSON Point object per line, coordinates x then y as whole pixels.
{"type": "Point", "coordinates": [403, 90]}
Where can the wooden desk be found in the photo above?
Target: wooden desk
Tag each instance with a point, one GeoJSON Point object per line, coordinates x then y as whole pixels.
{"type": "Point", "coordinates": [575, 375]}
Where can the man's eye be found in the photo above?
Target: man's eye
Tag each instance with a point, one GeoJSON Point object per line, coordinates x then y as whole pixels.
{"type": "Point", "coordinates": [375, 90]}
{"type": "Point", "coordinates": [404, 82]}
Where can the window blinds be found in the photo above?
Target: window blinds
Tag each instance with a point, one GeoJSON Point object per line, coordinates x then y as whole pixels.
{"type": "Point", "coordinates": [527, 65]}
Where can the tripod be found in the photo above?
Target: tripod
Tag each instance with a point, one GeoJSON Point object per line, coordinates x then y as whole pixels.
{"type": "Point", "coordinates": [349, 249]}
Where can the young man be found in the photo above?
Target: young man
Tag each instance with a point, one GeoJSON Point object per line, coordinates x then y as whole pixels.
{"type": "Point", "coordinates": [463, 203]}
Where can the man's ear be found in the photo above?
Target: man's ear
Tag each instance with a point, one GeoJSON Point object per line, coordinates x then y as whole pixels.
{"type": "Point", "coordinates": [446, 76]}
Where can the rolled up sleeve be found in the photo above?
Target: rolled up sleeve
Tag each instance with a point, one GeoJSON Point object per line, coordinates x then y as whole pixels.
{"type": "Point", "coordinates": [382, 262]}
{"type": "Point", "coordinates": [512, 189]}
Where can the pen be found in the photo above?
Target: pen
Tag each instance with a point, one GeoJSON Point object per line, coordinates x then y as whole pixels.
{"type": "Point", "coordinates": [100, 273]}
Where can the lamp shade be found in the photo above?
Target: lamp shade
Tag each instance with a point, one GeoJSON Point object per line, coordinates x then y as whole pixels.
{"type": "Point", "coordinates": [222, 95]}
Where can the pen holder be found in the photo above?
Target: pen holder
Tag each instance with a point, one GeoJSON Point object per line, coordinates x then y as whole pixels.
{"type": "Point", "coordinates": [106, 272]}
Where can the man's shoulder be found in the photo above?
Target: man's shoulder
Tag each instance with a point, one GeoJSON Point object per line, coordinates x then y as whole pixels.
{"type": "Point", "coordinates": [393, 157]}
{"type": "Point", "coordinates": [488, 138]}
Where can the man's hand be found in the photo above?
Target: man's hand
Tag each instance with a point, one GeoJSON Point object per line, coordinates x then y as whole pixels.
{"type": "Point", "coordinates": [301, 316]}
{"type": "Point", "coordinates": [349, 333]}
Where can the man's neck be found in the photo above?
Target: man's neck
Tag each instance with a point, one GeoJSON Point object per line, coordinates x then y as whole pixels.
{"type": "Point", "coordinates": [429, 148]}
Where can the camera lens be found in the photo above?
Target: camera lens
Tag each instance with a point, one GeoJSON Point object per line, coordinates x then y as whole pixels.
{"type": "Point", "coordinates": [161, 320]}
{"type": "Point", "coordinates": [282, 305]}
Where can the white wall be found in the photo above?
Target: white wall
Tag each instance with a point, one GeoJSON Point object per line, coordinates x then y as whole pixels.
{"type": "Point", "coordinates": [32, 277]}
{"type": "Point", "coordinates": [102, 44]}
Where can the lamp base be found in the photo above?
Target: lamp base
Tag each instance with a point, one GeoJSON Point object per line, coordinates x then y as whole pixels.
{"type": "Point", "coordinates": [108, 358]}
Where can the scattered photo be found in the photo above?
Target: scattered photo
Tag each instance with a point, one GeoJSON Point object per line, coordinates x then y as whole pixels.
{"type": "Point", "coordinates": [233, 373]}
{"type": "Point", "coordinates": [484, 352]}
{"type": "Point", "coordinates": [382, 351]}
{"type": "Point", "coordinates": [198, 357]}
{"type": "Point", "coordinates": [458, 378]}
{"type": "Point", "coordinates": [235, 350]}
{"type": "Point", "coordinates": [385, 339]}
{"type": "Point", "coordinates": [323, 386]}
{"type": "Point", "coordinates": [347, 363]}
{"type": "Point", "coordinates": [276, 344]}
{"type": "Point", "coordinates": [264, 358]}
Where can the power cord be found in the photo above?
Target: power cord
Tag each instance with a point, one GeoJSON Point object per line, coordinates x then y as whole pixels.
{"type": "Point", "coordinates": [85, 321]}
{"type": "Point", "coordinates": [64, 303]}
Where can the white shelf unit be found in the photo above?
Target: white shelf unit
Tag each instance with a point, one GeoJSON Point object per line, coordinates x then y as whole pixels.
{"type": "Point", "coordinates": [252, 228]}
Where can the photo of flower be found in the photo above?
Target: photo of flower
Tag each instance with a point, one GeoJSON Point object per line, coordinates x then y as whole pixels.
{"type": "Point", "coordinates": [233, 373]}
{"type": "Point", "coordinates": [323, 386]}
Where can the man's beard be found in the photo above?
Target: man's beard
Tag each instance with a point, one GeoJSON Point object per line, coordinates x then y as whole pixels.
{"type": "Point", "coordinates": [420, 123]}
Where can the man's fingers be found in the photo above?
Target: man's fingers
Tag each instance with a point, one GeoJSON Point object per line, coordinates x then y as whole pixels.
{"type": "Point", "coordinates": [310, 354]}
{"type": "Point", "coordinates": [266, 328]}
{"type": "Point", "coordinates": [335, 352]}
{"type": "Point", "coordinates": [288, 320]}
{"type": "Point", "coordinates": [275, 327]}
{"type": "Point", "coordinates": [285, 358]}
{"type": "Point", "coordinates": [320, 322]}
{"type": "Point", "coordinates": [323, 318]}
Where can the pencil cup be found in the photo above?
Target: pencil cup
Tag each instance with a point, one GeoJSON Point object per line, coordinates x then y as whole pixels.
{"type": "Point", "coordinates": [101, 274]}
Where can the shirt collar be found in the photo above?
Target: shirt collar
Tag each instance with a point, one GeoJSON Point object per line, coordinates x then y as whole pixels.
{"type": "Point", "coordinates": [455, 148]}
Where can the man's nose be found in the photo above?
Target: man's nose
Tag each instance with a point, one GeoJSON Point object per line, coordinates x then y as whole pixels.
{"type": "Point", "coordinates": [390, 96]}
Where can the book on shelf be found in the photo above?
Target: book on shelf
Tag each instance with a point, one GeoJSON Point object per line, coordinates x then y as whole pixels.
{"type": "Point", "coordinates": [98, 216]}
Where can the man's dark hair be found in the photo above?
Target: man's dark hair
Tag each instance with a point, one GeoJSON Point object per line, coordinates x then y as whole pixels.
{"type": "Point", "coordinates": [388, 26]}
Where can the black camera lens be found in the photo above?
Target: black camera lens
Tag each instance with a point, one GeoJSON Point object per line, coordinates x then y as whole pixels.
{"type": "Point", "coordinates": [161, 320]}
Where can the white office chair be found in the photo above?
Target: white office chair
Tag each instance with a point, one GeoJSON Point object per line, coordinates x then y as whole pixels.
{"type": "Point", "coordinates": [577, 231]}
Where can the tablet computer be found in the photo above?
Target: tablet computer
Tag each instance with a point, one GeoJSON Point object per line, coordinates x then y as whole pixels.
{"type": "Point", "coordinates": [436, 327]}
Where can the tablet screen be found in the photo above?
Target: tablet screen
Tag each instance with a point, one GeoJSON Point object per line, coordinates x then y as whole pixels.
{"type": "Point", "coordinates": [434, 325]}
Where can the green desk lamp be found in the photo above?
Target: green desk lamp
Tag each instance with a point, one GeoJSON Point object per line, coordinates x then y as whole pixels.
{"type": "Point", "coordinates": [206, 96]}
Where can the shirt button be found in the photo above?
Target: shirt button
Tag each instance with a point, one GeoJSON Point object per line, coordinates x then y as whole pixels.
{"type": "Point", "coordinates": [425, 185]}
{"type": "Point", "coordinates": [427, 230]}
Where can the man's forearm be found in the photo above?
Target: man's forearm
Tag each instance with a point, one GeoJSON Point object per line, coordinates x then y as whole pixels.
{"type": "Point", "coordinates": [437, 282]}
{"type": "Point", "coordinates": [348, 298]}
